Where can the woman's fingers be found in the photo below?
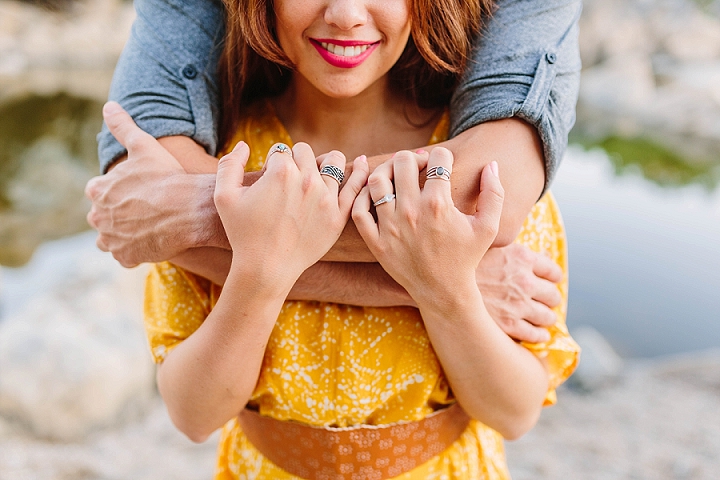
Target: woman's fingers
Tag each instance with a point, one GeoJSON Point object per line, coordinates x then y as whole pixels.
{"type": "Point", "coordinates": [231, 170]}
{"type": "Point", "coordinates": [332, 170]}
{"type": "Point", "coordinates": [381, 188]}
{"type": "Point", "coordinates": [405, 173]}
{"type": "Point", "coordinates": [439, 168]}
{"type": "Point", "coordinates": [354, 184]}
{"type": "Point", "coordinates": [490, 201]}
{"type": "Point", "coordinates": [364, 221]}
{"type": "Point", "coordinates": [280, 160]}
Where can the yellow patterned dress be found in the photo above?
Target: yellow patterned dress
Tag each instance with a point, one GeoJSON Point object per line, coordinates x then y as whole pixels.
{"type": "Point", "coordinates": [329, 364]}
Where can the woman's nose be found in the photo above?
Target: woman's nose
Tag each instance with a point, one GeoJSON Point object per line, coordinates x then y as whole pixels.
{"type": "Point", "coordinates": [346, 14]}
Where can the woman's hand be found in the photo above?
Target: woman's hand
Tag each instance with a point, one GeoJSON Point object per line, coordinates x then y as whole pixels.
{"type": "Point", "coordinates": [432, 249]}
{"type": "Point", "coordinates": [290, 217]}
{"type": "Point", "coordinates": [426, 244]}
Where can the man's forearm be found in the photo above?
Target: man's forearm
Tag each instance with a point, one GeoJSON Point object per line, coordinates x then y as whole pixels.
{"type": "Point", "coordinates": [352, 283]}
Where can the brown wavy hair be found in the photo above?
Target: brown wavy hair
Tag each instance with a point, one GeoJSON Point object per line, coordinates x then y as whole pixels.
{"type": "Point", "coordinates": [253, 65]}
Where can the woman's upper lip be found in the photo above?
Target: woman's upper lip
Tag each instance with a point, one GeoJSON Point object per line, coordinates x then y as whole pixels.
{"type": "Point", "coordinates": [344, 43]}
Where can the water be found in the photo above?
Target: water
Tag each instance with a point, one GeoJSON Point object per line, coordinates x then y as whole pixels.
{"type": "Point", "coordinates": [644, 260]}
{"type": "Point", "coordinates": [47, 154]}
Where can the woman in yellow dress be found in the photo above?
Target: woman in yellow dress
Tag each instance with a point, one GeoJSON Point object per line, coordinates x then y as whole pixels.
{"type": "Point", "coordinates": [322, 390]}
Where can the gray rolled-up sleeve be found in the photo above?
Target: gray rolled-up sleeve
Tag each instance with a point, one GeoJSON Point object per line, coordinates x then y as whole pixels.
{"type": "Point", "coordinates": [166, 76]}
{"type": "Point", "coordinates": [526, 64]}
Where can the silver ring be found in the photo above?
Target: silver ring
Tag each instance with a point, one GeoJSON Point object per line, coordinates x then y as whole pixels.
{"type": "Point", "coordinates": [281, 148]}
{"type": "Point", "coordinates": [438, 172]}
{"type": "Point", "coordinates": [387, 198]}
{"type": "Point", "coordinates": [333, 172]}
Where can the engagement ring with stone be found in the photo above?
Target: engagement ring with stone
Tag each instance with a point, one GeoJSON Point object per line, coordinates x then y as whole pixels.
{"type": "Point", "coordinates": [438, 172]}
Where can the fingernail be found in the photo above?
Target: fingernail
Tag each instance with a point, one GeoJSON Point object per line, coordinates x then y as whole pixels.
{"type": "Point", "coordinates": [420, 151]}
{"type": "Point", "coordinates": [238, 145]}
{"type": "Point", "coordinates": [362, 158]}
{"type": "Point", "coordinates": [111, 107]}
{"type": "Point", "coordinates": [391, 156]}
{"type": "Point", "coordinates": [494, 169]}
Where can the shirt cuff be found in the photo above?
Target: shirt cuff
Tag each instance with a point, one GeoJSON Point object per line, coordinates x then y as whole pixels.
{"type": "Point", "coordinates": [542, 97]}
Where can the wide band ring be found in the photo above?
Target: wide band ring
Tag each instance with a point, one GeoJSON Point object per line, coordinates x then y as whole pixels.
{"type": "Point", "coordinates": [387, 198]}
{"type": "Point", "coordinates": [333, 172]}
{"type": "Point", "coordinates": [438, 172]}
{"type": "Point", "coordinates": [281, 148]}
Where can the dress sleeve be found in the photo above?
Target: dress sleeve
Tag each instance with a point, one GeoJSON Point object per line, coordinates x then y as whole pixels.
{"type": "Point", "coordinates": [166, 75]}
{"type": "Point", "coordinates": [526, 63]}
{"type": "Point", "coordinates": [176, 304]}
{"type": "Point", "coordinates": [544, 232]}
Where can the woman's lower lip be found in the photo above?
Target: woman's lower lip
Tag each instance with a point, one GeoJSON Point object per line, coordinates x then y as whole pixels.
{"type": "Point", "coordinates": [341, 61]}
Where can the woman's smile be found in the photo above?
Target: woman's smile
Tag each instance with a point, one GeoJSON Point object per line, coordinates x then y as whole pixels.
{"type": "Point", "coordinates": [344, 53]}
{"type": "Point", "coordinates": [342, 47]}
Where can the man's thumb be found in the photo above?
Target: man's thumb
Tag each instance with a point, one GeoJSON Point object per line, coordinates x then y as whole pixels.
{"type": "Point", "coordinates": [123, 127]}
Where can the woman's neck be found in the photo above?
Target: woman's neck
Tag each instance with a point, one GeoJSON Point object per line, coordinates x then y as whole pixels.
{"type": "Point", "coordinates": [371, 123]}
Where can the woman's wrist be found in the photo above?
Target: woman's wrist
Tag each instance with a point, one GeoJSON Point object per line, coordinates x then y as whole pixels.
{"type": "Point", "coordinates": [448, 299]}
{"type": "Point", "coordinates": [261, 277]}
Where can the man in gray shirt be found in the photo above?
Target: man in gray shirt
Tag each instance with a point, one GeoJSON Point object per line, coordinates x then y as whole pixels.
{"type": "Point", "coordinates": [514, 105]}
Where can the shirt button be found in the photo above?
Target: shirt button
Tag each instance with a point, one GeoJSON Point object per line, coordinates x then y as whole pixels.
{"type": "Point", "coordinates": [550, 57]}
{"type": "Point", "coordinates": [189, 72]}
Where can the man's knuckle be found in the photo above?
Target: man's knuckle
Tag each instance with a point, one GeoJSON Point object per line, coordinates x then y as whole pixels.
{"type": "Point", "coordinates": [135, 140]}
{"type": "Point", "coordinates": [525, 254]}
{"type": "Point", "coordinates": [525, 282]}
{"type": "Point", "coordinates": [91, 188]}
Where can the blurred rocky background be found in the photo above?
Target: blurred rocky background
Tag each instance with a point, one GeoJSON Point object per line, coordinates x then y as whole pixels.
{"type": "Point", "coordinates": [651, 84]}
{"type": "Point", "coordinates": [639, 194]}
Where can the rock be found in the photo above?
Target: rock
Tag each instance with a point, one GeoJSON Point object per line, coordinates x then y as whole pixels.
{"type": "Point", "coordinates": [651, 70]}
{"type": "Point", "coordinates": [599, 365]}
{"type": "Point", "coordinates": [634, 72]}
{"type": "Point", "coordinates": [72, 353]}
{"type": "Point", "coordinates": [692, 36]}
{"type": "Point", "coordinates": [74, 50]}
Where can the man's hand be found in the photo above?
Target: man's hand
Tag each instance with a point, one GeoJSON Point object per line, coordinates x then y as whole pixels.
{"type": "Point", "coordinates": [146, 209]}
{"type": "Point", "coordinates": [519, 287]}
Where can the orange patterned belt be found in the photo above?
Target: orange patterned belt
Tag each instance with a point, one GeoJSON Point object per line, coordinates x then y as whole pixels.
{"type": "Point", "coordinates": [360, 452]}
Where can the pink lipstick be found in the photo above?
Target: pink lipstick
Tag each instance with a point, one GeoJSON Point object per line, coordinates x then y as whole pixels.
{"type": "Point", "coordinates": [343, 53]}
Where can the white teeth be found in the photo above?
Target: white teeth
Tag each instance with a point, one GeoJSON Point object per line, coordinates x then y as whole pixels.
{"type": "Point", "coordinates": [344, 51]}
